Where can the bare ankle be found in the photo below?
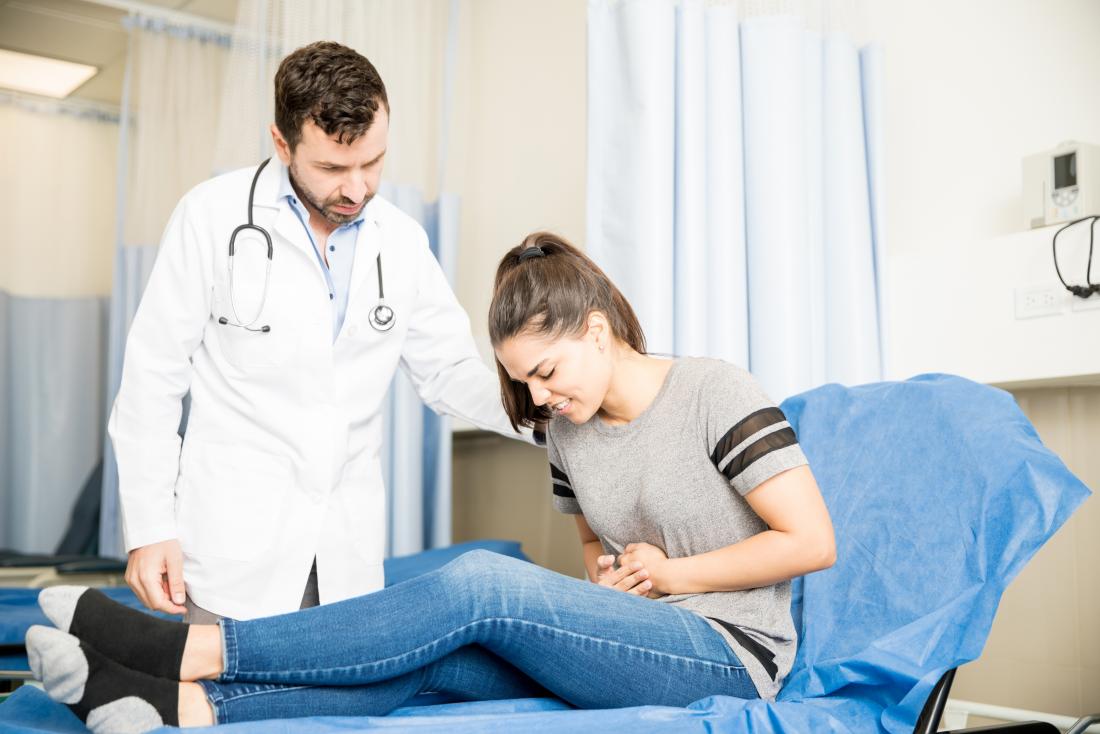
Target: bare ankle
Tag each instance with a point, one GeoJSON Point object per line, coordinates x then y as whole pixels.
{"type": "Point", "coordinates": [194, 708]}
{"type": "Point", "coordinates": [202, 655]}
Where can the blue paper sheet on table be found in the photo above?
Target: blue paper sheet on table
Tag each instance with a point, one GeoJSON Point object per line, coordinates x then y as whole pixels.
{"type": "Point", "coordinates": [939, 490]}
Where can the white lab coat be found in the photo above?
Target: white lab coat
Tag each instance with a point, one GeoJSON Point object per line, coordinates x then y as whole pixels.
{"type": "Point", "coordinates": [281, 458]}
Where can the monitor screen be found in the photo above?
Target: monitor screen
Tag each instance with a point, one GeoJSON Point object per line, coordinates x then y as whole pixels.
{"type": "Point", "coordinates": [1065, 170]}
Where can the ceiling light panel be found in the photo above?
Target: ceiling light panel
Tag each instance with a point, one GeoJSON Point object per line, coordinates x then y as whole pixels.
{"type": "Point", "coordinates": [42, 75]}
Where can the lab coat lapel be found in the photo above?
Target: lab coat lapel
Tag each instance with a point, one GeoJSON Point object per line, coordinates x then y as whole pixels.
{"type": "Point", "coordinates": [286, 223]}
{"type": "Point", "coordinates": [290, 228]}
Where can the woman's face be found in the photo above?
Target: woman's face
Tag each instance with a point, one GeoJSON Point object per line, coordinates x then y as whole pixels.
{"type": "Point", "coordinates": [569, 375]}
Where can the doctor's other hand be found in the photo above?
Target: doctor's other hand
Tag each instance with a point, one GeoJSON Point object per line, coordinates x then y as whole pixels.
{"type": "Point", "coordinates": [155, 573]}
{"type": "Point", "coordinates": [631, 578]}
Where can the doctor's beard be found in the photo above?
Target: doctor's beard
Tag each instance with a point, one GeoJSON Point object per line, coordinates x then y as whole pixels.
{"type": "Point", "coordinates": [325, 207]}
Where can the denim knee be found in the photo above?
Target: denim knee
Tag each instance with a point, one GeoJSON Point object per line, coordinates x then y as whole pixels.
{"type": "Point", "coordinates": [480, 561]}
{"type": "Point", "coordinates": [483, 572]}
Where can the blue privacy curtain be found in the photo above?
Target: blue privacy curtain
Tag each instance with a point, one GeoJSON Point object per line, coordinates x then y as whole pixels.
{"type": "Point", "coordinates": [732, 186]}
{"type": "Point", "coordinates": [165, 147]}
{"type": "Point", "coordinates": [416, 456]}
{"type": "Point", "coordinates": [54, 280]}
{"type": "Point", "coordinates": [412, 44]}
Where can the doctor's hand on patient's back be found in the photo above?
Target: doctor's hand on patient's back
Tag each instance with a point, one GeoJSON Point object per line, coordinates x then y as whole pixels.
{"type": "Point", "coordinates": [155, 573]}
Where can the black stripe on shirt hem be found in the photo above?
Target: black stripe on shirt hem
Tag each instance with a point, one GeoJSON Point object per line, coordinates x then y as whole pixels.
{"type": "Point", "coordinates": [745, 428]}
{"type": "Point", "coordinates": [765, 656]}
{"type": "Point", "coordinates": [774, 441]}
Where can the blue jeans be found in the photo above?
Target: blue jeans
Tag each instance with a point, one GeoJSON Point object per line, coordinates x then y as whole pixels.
{"type": "Point", "coordinates": [484, 626]}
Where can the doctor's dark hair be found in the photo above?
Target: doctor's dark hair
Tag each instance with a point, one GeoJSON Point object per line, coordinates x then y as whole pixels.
{"type": "Point", "coordinates": [333, 85]}
{"type": "Point", "coordinates": [547, 287]}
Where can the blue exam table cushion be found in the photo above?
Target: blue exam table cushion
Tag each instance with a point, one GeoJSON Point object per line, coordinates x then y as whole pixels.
{"type": "Point", "coordinates": [939, 489]}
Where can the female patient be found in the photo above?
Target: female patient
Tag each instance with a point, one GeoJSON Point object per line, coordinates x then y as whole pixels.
{"type": "Point", "coordinates": [695, 508]}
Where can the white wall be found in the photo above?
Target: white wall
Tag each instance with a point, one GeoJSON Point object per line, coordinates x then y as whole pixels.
{"type": "Point", "coordinates": [517, 160]}
{"type": "Point", "coordinates": [57, 199]}
{"type": "Point", "coordinates": [517, 152]}
{"type": "Point", "coordinates": [971, 88]}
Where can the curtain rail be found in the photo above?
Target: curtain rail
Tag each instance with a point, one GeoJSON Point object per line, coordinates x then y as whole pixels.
{"type": "Point", "coordinates": [152, 11]}
{"type": "Point", "coordinates": [75, 106]}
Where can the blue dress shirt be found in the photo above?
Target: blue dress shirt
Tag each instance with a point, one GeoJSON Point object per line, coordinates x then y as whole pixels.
{"type": "Point", "coordinates": [341, 253]}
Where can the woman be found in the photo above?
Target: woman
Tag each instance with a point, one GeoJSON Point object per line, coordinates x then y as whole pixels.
{"type": "Point", "coordinates": [690, 493]}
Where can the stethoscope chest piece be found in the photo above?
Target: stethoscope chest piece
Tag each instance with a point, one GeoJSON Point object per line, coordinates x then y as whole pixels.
{"type": "Point", "coordinates": [382, 317]}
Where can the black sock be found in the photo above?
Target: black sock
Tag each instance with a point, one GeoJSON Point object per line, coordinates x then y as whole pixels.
{"type": "Point", "coordinates": [105, 695]}
{"type": "Point", "coordinates": [109, 682]}
{"type": "Point", "coordinates": [135, 639]}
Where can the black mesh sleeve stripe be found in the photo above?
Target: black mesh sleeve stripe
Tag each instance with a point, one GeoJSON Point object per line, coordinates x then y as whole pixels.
{"type": "Point", "coordinates": [560, 483]}
{"type": "Point", "coordinates": [562, 491]}
{"type": "Point", "coordinates": [747, 426]}
{"type": "Point", "coordinates": [757, 449]}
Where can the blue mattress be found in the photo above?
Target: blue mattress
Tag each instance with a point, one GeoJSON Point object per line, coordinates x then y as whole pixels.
{"type": "Point", "coordinates": [939, 490]}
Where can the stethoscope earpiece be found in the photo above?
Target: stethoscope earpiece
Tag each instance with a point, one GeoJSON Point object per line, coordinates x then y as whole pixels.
{"type": "Point", "coordinates": [262, 330]}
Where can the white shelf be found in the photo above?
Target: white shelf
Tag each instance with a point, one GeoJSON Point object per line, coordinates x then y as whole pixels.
{"type": "Point", "coordinates": [954, 311]}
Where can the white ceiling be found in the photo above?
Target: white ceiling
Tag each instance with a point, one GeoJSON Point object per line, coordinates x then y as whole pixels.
{"type": "Point", "coordinates": [88, 33]}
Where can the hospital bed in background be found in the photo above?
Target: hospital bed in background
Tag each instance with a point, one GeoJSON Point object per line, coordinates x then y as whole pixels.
{"type": "Point", "coordinates": [940, 491]}
{"type": "Point", "coordinates": [75, 561]}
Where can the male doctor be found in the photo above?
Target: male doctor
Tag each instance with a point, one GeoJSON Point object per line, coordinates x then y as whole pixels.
{"type": "Point", "coordinates": [274, 500]}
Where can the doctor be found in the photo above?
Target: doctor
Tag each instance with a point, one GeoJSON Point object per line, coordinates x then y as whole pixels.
{"type": "Point", "coordinates": [287, 335]}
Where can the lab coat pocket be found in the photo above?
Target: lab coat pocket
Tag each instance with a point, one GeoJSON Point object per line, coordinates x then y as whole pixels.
{"type": "Point", "coordinates": [253, 347]}
{"type": "Point", "coordinates": [231, 500]}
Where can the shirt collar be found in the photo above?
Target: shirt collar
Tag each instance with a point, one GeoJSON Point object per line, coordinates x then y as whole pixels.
{"type": "Point", "coordinates": [286, 190]}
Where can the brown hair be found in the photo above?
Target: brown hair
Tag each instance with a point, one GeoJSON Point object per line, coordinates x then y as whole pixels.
{"type": "Point", "coordinates": [336, 87]}
{"type": "Point", "coordinates": [545, 286]}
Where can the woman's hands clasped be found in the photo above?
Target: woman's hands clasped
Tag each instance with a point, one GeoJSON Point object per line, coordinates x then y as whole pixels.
{"type": "Point", "coordinates": [633, 579]}
{"type": "Point", "coordinates": [639, 570]}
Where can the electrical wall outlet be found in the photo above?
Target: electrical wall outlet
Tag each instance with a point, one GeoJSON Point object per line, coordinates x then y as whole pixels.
{"type": "Point", "coordinates": [1040, 300]}
{"type": "Point", "coordinates": [1086, 304]}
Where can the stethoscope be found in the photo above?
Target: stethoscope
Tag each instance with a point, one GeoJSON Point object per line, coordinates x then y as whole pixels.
{"type": "Point", "coordinates": [381, 317]}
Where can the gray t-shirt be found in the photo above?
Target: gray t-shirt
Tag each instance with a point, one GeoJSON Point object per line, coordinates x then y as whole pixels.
{"type": "Point", "coordinates": [665, 479]}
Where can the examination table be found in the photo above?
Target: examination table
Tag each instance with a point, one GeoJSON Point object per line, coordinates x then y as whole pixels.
{"type": "Point", "coordinates": [940, 491]}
